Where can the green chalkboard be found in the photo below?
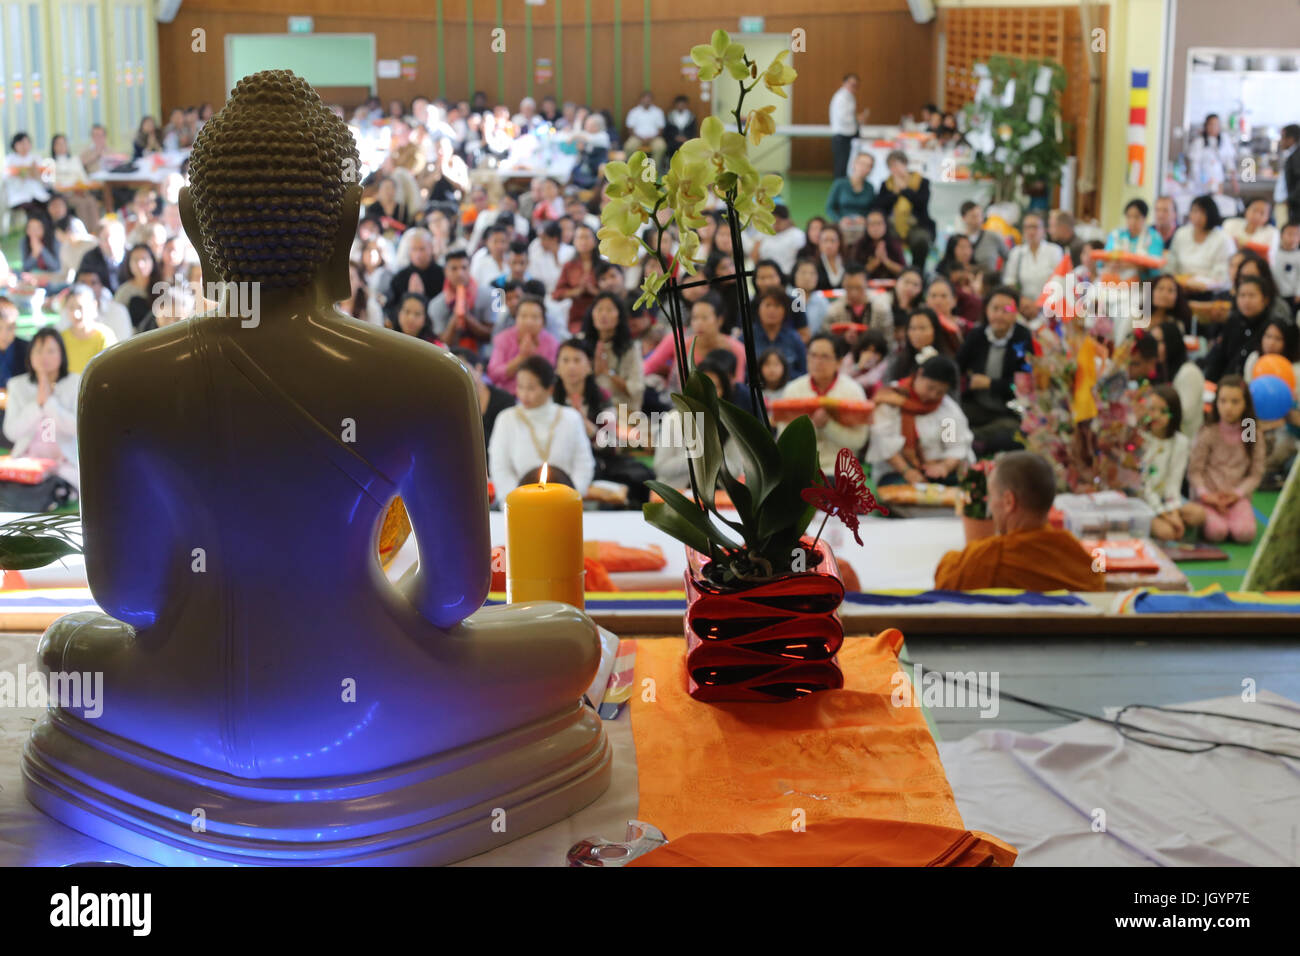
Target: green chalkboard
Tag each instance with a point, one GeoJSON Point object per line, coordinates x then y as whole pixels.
{"type": "Point", "coordinates": [322, 59]}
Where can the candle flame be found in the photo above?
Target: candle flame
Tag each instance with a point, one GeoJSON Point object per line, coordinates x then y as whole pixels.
{"type": "Point", "coordinates": [541, 479]}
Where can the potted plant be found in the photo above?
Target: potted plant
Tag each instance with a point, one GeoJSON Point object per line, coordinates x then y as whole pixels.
{"type": "Point", "coordinates": [973, 504]}
{"type": "Point", "coordinates": [1018, 144]}
{"type": "Point", "coordinates": [762, 621]}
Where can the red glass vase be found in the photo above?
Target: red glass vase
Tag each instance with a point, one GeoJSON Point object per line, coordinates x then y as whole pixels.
{"type": "Point", "coordinates": [772, 641]}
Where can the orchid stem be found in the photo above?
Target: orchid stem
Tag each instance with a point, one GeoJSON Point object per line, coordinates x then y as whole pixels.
{"type": "Point", "coordinates": [821, 529]}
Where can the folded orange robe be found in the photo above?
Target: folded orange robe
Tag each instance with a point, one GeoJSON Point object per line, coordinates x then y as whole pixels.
{"type": "Point", "coordinates": [1045, 559]}
{"type": "Point", "coordinates": [843, 842]}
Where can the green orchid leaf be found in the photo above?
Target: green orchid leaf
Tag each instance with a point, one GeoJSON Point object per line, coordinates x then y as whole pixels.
{"type": "Point", "coordinates": [672, 523]}
{"type": "Point", "coordinates": [700, 434]}
{"type": "Point", "coordinates": [742, 501]}
{"type": "Point", "coordinates": [763, 465]}
{"type": "Point", "coordinates": [700, 387]}
{"type": "Point", "coordinates": [26, 552]}
{"type": "Point", "coordinates": [690, 513]}
{"type": "Point", "coordinates": [784, 510]}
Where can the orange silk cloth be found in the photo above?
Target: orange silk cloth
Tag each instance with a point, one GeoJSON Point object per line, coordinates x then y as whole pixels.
{"type": "Point", "coordinates": [1044, 559]}
{"type": "Point", "coordinates": [847, 842]}
{"type": "Point", "coordinates": [848, 764]}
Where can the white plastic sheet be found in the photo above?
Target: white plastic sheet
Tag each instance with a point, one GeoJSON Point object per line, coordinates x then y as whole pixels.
{"type": "Point", "coordinates": [1082, 795]}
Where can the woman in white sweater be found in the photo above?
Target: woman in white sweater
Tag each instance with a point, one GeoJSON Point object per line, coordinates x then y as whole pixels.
{"type": "Point", "coordinates": [1165, 454]}
{"type": "Point", "coordinates": [1034, 261]}
{"type": "Point", "coordinates": [940, 436]}
{"type": "Point", "coordinates": [41, 422]}
{"type": "Point", "coordinates": [537, 432]}
{"type": "Point", "coordinates": [823, 380]}
{"type": "Point", "coordinates": [1200, 250]}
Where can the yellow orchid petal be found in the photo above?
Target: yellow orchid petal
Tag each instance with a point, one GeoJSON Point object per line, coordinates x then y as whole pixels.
{"type": "Point", "coordinates": [617, 247]}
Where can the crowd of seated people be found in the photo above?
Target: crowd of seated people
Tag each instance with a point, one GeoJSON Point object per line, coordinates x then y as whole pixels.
{"type": "Point", "coordinates": [872, 301]}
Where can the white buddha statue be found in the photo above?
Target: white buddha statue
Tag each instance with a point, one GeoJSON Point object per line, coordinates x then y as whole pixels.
{"type": "Point", "coordinates": [259, 670]}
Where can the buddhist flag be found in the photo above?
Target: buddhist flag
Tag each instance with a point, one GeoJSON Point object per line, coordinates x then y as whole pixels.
{"type": "Point", "coordinates": [1085, 377]}
{"type": "Point", "coordinates": [1138, 96]}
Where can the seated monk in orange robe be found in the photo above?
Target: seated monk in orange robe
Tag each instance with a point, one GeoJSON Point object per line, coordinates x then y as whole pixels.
{"type": "Point", "coordinates": [1025, 552]}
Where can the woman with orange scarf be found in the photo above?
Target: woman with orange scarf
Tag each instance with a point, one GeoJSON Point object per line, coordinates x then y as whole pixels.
{"type": "Point", "coordinates": [918, 432]}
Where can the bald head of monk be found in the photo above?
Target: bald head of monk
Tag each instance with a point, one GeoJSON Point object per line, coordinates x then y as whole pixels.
{"type": "Point", "coordinates": [1021, 491]}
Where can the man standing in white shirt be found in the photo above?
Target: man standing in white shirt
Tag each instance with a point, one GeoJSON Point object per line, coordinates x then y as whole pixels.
{"type": "Point", "coordinates": [645, 129]}
{"type": "Point", "coordinates": [845, 120]}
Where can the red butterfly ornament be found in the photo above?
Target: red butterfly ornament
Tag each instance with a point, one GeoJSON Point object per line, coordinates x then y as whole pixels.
{"type": "Point", "coordinates": [847, 498]}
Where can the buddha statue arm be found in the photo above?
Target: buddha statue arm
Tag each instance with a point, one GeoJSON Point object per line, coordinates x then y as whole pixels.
{"type": "Point", "coordinates": [130, 554]}
{"type": "Point", "coordinates": [446, 498]}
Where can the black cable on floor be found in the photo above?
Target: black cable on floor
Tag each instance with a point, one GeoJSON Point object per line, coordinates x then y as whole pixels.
{"type": "Point", "coordinates": [1128, 730]}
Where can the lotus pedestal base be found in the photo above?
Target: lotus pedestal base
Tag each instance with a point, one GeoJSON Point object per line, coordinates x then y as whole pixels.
{"type": "Point", "coordinates": [433, 811]}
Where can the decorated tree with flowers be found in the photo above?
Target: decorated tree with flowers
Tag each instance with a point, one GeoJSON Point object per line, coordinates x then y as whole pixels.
{"type": "Point", "coordinates": [714, 168]}
{"type": "Point", "coordinates": [1080, 413]}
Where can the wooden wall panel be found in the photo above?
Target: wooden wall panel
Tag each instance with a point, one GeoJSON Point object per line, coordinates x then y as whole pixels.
{"type": "Point", "coordinates": [878, 39]}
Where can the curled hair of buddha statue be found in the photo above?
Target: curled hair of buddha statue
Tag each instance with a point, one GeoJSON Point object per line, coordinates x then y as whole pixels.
{"type": "Point", "coordinates": [267, 179]}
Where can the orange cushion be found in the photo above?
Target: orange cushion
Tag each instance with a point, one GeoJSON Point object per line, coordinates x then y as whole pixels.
{"type": "Point", "coordinates": [618, 558]}
{"type": "Point", "coordinates": [596, 579]}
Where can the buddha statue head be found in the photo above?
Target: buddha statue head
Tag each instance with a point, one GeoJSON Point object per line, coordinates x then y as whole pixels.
{"type": "Point", "coordinates": [273, 196]}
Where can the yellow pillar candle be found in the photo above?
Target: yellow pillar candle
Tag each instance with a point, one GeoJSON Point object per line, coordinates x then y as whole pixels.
{"type": "Point", "coordinates": [544, 544]}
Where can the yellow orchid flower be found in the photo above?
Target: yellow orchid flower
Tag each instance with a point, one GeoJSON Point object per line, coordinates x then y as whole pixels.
{"type": "Point", "coordinates": [636, 178]}
{"type": "Point", "coordinates": [760, 123]}
{"type": "Point", "coordinates": [617, 247]}
{"type": "Point", "coordinates": [623, 215]}
{"type": "Point", "coordinates": [769, 187]}
{"type": "Point", "coordinates": [688, 250]}
{"type": "Point", "coordinates": [619, 180]}
{"type": "Point", "coordinates": [650, 287]}
{"type": "Point", "coordinates": [778, 75]}
{"type": "Point", "coordinates": [718, 146]}
{"type": "Point", "coordinates": [718, 55]}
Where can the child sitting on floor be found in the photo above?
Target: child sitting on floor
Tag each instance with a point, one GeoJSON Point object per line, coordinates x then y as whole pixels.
{"type": "Point", "coordinates": [1165, 452]}
{"type": "Point", "coordinates": [1278, 338]}
{"type": "Point", "coordinates": [1227, 463]}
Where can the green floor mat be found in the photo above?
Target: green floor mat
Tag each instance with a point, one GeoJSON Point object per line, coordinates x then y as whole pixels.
{"type": "Point", "coordinates": [1229, 574]}
{"type": "Point", "coordinates": [806, 197]}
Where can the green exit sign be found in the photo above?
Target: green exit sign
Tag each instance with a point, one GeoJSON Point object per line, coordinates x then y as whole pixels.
{"type": "Point", "coordinates": [751, 24]}
{"type": "Point", "coordinates": [300, 24]}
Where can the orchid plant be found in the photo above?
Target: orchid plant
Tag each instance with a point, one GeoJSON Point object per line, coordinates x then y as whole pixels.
{"type": "Point", "coordinates": [771, 514]}
{"type": "Point", "coordinates": [713, 165]}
